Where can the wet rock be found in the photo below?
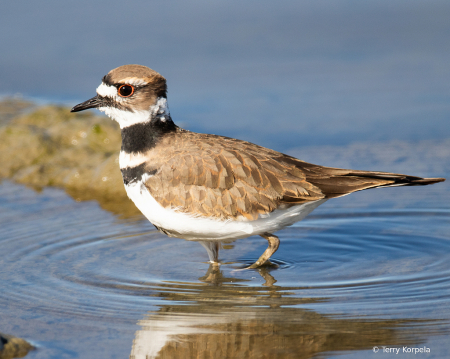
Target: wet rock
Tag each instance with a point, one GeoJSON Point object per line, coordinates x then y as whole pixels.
{"type": "Point", "coordinates": [12, 347]}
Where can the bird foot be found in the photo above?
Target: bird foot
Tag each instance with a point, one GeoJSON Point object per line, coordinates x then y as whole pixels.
{"type": "Point", "coordinates": [274, 243]}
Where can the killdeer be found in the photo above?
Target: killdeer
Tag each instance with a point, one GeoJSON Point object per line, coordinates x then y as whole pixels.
{"type": "Point", "coordinates": [211, 188]}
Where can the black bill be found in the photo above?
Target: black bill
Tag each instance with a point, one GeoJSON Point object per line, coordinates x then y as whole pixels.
{"type": "Point", "coordinates": [94, 102]}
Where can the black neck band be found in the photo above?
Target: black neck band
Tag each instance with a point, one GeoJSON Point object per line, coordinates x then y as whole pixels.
{"type": "Point", "coordinates": [143, 136]}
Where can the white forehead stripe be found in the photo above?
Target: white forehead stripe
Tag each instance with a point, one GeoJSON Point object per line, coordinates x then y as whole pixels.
{"type": "Point", "coordinates": [106, 91]}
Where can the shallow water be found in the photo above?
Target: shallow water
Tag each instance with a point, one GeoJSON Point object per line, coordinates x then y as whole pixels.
{"type": "Point", "coordinates": [371, 269]}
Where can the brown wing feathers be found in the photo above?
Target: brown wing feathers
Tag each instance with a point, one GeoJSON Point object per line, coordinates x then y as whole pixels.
{"type": "Point", "coordinates": [215, 176]}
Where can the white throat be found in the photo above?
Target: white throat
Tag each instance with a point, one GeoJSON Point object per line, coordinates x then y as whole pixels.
{"type": "Point", "coordinates": [129, 118]}
{"type": "Point", "coordinates": [126, 118]}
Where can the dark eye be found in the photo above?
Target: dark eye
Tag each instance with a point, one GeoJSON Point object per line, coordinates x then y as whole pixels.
{"type": "Point", "coordinates": [125, 90]}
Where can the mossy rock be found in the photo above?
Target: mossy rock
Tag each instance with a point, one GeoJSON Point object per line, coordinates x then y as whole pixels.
{"type": "Point", "coordinates": [49, 146]}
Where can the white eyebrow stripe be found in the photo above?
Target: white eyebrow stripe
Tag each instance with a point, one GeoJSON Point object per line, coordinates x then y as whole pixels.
{"type": "Point", "coordinates": [135, 81]}
{"type": "Point", "coordinates": [106, 91]}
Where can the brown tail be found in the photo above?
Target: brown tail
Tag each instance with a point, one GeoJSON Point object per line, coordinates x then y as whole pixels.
{"type": "Point", "coordinates": [397, 179]}
{"type": "Point", "coordinates": [336, 182]}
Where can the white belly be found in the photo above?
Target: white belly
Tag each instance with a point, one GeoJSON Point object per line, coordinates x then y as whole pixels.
{"type": "Point", "coordinates": [191, 227]}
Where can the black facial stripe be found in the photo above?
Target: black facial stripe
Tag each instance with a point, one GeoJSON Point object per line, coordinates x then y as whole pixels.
{"type": "Point", "coordinates": [109, 102]}
{"type": "Point", "coordinates": [141, 137]}
{"type": "Point", "coordinates": [134, 174]}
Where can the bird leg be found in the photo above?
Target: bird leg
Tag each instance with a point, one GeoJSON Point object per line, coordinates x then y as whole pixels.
{"type": "Point", "coordinates": [274, 243]}
{"type": "Point", "coordinates": [212, 247]}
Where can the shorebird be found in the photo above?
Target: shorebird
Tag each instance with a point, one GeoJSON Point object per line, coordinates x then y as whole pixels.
{"type": "Point", "coordinates": [212, 188]}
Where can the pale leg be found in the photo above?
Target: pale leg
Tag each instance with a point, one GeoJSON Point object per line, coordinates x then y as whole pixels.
{"type": "Point", "coordinates": [213, 250]}
{"type": "Point", "coordinates": [274, 243]}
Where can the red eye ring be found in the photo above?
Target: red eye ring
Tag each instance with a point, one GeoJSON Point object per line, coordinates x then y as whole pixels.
{"type": "Point", "coordinates": [125, 90]}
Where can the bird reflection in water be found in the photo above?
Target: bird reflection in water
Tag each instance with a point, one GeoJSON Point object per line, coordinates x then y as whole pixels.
{"type": "Point", "coordinates": [223, 317]}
